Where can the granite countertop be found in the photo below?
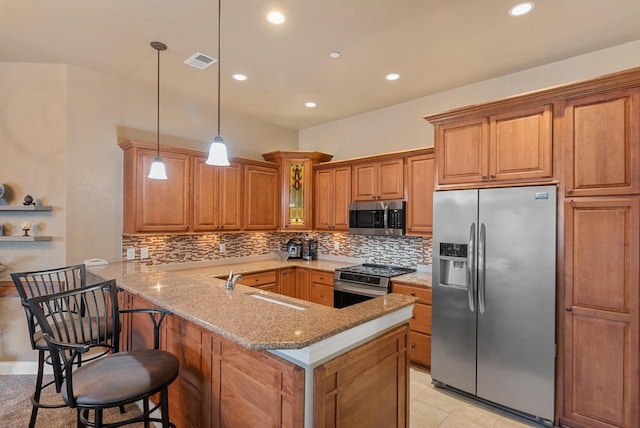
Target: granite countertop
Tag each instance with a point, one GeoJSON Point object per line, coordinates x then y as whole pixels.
{"type": "Point", "coordinates": [198, 296]}
{"type": "Point", "coordinates": [419, 278]}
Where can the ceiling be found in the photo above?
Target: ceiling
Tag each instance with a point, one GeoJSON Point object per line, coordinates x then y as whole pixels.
{"type": "Point", "coordinates": [434, 45]}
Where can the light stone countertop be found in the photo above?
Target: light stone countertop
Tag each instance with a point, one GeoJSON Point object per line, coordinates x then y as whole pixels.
{"type": "Point", "coordinates": [416, 278]}
{"type": "Point", "coordinates": [198, 296]}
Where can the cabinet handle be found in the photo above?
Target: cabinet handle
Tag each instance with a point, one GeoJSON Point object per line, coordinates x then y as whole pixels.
{"type": "Point", "coordinates": [484, 177]}
{"type": "Point", "coordinates": [186, 227]}
{"type": "Point", "coordinates": [413, 293]}
{"type": "Point", "coordinates": [221, 226]}
{"type": "Point", "coordinates": [413, 346]}
{"type": "Point", "coordinates": [257, 279]}
{"type": "Point", "coordinates": [321, 295]}
{"type": "Point", "coordinates": [492, 177]}
{"type": "Point", "coordinates": [570, 192]}
{"type": "Point", "coordinates": [413, 317]}
{"type": "Point", "coordinates": [569, 309]}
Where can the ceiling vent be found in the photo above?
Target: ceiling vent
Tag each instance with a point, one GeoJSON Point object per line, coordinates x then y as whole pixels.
{"type": "Point", "coordinates": [200, 60]}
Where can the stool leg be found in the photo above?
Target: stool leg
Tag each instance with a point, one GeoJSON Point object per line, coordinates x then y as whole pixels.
{"type": "Point", "coordinates": [145, 409]}
{"type": "Point", "coordinates": [35, 398]}
{"type": "Point", "coordinates": [164, 408]}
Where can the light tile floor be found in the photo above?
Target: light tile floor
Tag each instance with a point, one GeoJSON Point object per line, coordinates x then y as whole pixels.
{"type": "Point", "coordinates": [433, 407]}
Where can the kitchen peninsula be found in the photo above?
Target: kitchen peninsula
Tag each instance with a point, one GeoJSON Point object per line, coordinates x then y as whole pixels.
{"type": "Point", "coordinates": [254, 358]}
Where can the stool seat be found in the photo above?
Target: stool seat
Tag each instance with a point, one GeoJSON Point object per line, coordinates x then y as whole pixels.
{"type": "Point", "coordinates": [122, 378]}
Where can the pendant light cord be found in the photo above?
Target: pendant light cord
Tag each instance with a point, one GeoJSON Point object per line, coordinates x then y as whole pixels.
{"type": "Point", "coordinates": [158, 106]}
{"type": "Point", "coordinates": [219, 20]}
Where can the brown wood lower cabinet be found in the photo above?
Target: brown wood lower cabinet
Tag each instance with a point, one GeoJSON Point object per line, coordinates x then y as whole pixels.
{"type": "Point", "coordinates": [301, 284]}
{"type": "Point", "coordinates": [321, 290]}
{"type": "Point", "coordinates": [420, 337]}
{"type": "Point", "coordinates": [263, 280]}
{"type": "Point", "coordinates": [366, 387]}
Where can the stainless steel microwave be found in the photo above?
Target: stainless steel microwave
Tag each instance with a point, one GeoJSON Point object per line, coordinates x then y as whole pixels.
{"type": "Point", "coordinates": [385, 218]}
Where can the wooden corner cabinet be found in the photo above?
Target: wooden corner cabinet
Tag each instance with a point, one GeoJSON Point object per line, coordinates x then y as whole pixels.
{"type": "Point", "coordinates": [419, 183]}
{"type": "Point", "coordinates": [512, 146]}
{"type": "Point", "coordinates": [332, 188]}
{"type": "Point", "coordinates": [217, 196]}
{"type": "Point", "coordinates": [296, 169]}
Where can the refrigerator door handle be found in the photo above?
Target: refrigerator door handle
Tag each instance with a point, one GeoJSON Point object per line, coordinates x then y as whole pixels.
{"type": "Point", "coordinates": [471, 268]}
{"type": "Point", "coordinates": [481, 267]}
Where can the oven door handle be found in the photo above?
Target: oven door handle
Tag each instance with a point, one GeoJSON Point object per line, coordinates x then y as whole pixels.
{"type": "Point", "coordinates": [344, 287]}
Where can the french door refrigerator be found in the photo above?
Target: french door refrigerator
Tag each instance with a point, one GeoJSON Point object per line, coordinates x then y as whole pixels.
{"type": "Point", "coordinates": [494, 270]}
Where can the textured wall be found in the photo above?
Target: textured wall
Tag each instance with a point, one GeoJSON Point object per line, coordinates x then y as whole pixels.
{"type": "Point", "coordinates": [163, 249]}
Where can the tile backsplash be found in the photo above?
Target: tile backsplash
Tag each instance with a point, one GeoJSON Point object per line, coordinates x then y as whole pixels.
{"type": "Point", "coordinates": [164, 249]}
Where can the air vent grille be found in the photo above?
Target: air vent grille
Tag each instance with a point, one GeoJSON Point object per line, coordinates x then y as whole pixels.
{"type": "Point", "coordinates": [200, 60]}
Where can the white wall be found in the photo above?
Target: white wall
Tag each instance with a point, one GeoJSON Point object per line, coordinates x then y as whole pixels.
{"type": "Point", "coordinates": [402, 126]}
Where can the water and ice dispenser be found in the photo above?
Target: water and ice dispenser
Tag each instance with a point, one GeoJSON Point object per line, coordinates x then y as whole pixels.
{"type": "Point", "coordinates": [453, 265]}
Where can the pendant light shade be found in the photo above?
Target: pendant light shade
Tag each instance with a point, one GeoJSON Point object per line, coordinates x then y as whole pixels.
{"type": "Point", "coordinates": [157, 171]}
{"type": "Point", "coordinates": [218, 151]}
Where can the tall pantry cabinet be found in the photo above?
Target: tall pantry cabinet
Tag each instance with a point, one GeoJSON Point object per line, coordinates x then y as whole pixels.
{"type": "Point", "coordinates": [602, 260]}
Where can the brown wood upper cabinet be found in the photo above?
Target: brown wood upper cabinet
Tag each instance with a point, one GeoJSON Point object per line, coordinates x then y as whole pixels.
{"type": "Point", "coordinates": [155, 205]}
{"type": "Point", "coordinates": [515, 146]}
{"type": "Point", "coordinates": [420, 181]}
{"type": "Point", "coordinates": [296, 169]}
{"type": "Point", "coordinates": [217, 196]}
{"type": "Point", "coordinates": [332, 189]}
{"type": "Point", "coordinates": [261, 196]}
{"type": "Point", "coordinates": [378, 180]}
{"type": "Point", "coordinates": [602, 143]}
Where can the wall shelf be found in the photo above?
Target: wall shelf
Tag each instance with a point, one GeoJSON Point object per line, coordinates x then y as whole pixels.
{"type": "Point", "coordinates": [25, 208]}
{"type": "Point", "coordinates": [24, 238]}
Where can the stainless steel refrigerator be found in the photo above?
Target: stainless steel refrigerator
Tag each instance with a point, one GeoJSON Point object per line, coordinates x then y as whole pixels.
{"type": "Point", "coordinates": [494, 271]}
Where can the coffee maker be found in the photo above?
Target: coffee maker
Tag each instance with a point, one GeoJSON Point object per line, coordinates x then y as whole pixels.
{"type": "Point", "coordinates": [294, 249]}
{"type": "Point", "coordinates": [310, 249]}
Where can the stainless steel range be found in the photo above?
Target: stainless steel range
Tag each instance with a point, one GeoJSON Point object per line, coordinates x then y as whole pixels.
{"type": "Point", "coordinates": [355, 284]}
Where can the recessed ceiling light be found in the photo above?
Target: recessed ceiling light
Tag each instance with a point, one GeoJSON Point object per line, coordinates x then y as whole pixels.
{"type": "Point", "coordinates": [310, 104]}
{"type": "Point", "coordinates": [392, 76]}
{"type": "Point", "coordinates": [275, 17]}
{"type": "Point", "coordinates": [521, 8]}
{"type": "Point", "coordinates": [239, 76]}
{"type": "Point", "coordinates": [335, 54]}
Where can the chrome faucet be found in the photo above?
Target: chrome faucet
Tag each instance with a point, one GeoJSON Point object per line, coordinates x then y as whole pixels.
{"type": "Point", "coordinates": [231, 281]}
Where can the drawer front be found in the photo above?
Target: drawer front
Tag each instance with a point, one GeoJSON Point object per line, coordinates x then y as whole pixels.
{"type": "Point", "coordinates": [267, 287]}
{"type": "Point", "coordinates": [423, 293]}
{"type": "Point", "coordinates": [420, 348]}
{"type": "Point", "coordinates": [421, 320]}
{"type": "Point", "coordinates": [322, 294]}
{"type": "Point", "coordinates": [321, 277]}
{"type": "Point", "coordinates": [261, 278]}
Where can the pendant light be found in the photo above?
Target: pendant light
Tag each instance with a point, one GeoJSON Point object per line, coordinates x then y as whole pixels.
{"type": "Point", "coordinates": [157, 171]}
{"type": "Point", "coordinates": [218, 151]}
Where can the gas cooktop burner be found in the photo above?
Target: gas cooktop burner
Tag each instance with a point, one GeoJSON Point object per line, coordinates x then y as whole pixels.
{"type": "Point", "coordinates": [386, 271]}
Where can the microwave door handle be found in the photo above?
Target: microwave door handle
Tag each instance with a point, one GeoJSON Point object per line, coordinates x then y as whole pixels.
{"type": "Point", "coordinates": [471, 268]}
{"type": "Point", "coordinates": [386, 216]}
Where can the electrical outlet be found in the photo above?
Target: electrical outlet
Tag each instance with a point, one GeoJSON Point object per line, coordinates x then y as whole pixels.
{"type": "Point", "coordinates": [131, 253]}
{"type": "Point", "coordinates": [222, 248]}
{"type": "Point", "coordinates": [144, 252]}
{"type": "Point", "coordinates": [336, 246]}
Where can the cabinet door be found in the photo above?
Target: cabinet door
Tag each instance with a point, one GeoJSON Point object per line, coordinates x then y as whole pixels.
{"type": "Point", "coordinates": [390, 179]}
{"type": "Point", "coordinates": [163, 205]}
{"type": "Point", "coordinates": [261, 198]}
{"type": "Point", "coordinates": [204, 196]}
{"type": "Point", "coordinates": [341, 197]}
{"type": "Point", "coordinates": [296, 194]}
{"type": "Point", "coordinates": [602, 134]}
{"type": "Point", "coordinates": [462, 151]}
{"type": "Point", "coordinates": [601, 317]}
{"type": "Point", "coordinates": [302, 285]}
{"type": "Point", "coordinates": [286, 283]}
{"type": "Point", "coordinates": [521, 144]}
{"type": "Point", "coordinates": [420, 180]}
{"type": "Point", "coordinates": [229, 197]}
{"type": "Point", "coordinates": [186, 393]}
{"type": "Point", "coordinates": [365, 182]}
{"type": "Point", "coordinates": [321, 294]}
{"type": "Point", "coordinates": [323, 202]}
